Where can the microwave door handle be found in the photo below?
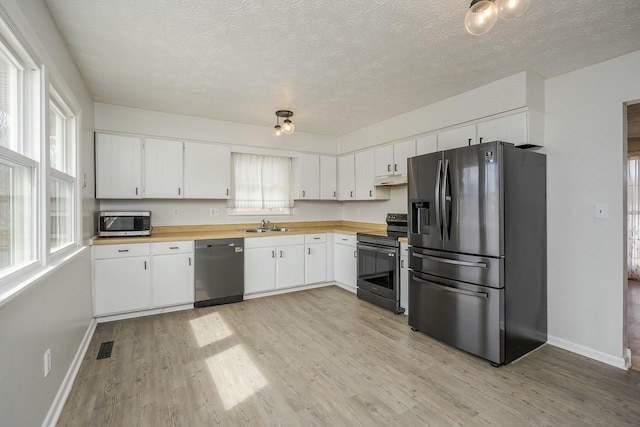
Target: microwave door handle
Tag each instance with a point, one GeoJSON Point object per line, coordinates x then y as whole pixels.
{"type": "Point", "coordinates": [438, 196]}
{"type": "Point", "coordinates": [450, 289]}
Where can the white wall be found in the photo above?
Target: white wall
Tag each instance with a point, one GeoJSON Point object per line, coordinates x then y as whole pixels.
{"type": "Point", "coordinates": [56, 311]}
{"type": "Point", "coordinates": [584, 147]}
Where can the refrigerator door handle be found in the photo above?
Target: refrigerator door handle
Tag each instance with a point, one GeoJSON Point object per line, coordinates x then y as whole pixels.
{"type": "Point", "coordinates": [438, 198]}
{"type": "Point", "coordinates": [450, 289]}
{"type": "Point", "coordinates": [446, 207]}
{"type": "Point", "coordinates": [452, 261]}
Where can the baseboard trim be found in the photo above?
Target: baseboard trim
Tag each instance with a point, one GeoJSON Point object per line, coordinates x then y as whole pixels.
{"type": "Point", "coordinates": [150, 312]}
{"type": "Point", "coordinates": [69, 378]}
{"type": "Point", "coordinates": [287, 290]}
{"type": "Point", "coordinates": [618, 362]}
{"type": "Point", "coordinates": [346, 287]}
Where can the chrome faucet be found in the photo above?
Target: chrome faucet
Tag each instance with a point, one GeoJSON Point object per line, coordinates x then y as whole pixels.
{"type": "Point", "coordinates": [265, 224]}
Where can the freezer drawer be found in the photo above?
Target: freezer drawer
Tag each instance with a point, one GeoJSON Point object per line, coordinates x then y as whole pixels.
{"type": "Point", "coordinates": [478, 270]}
{"type": "Point", "coordinates": [465, 316]}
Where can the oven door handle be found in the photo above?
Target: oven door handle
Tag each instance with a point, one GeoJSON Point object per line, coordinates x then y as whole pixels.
{"type": "Point", "coordinates": [452, 261]}
{"type": "Point", "coordinates": [388, 251]}
{"type": "Point", "coordinates": [450, 289]}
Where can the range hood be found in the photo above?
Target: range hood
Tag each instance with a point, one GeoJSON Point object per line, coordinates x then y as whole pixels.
{"type": "Point", "coordinates": [390, 181]}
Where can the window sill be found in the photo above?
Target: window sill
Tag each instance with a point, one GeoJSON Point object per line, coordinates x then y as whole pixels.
{"type": "Point", "coordinates": [15, 286]}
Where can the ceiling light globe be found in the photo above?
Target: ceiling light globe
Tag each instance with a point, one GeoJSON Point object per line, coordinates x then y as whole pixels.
{"type": "Point", "coordinates": [277, 131]}
{"type": "Point", "coordinates": [481, 17]}
{"type": "Point", "coordinates": [288, 127]}
{"type": "Point", "coordinates": [511, 9]}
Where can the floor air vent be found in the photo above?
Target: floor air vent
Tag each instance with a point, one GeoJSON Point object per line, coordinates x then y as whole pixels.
{"type": "Point", "coordinates": [105, 350]}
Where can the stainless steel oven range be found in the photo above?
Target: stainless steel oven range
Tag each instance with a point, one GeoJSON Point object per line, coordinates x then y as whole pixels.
{"type": "Point", "coordinates": [379, 264]}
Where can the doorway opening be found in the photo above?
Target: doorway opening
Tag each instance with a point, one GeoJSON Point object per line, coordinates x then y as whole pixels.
{"type": "Point", "coordinates": [632, 212]}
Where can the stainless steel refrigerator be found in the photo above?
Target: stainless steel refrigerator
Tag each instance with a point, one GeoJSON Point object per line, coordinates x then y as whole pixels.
{"type": "Point", "coordinates": [477, 236]}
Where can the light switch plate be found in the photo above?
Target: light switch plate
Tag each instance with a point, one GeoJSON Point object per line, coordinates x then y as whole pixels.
{"type": "Point", "coordinates": [602, 211]}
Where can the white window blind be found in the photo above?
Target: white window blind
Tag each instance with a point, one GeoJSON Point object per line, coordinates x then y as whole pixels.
{"type": "Point", "coordinates": [261, 182]}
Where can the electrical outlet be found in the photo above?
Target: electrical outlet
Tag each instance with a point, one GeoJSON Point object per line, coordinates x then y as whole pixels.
{"type": "Point", "coordinates": [176, 212]}
{"type": "Point", "coordinates": [296, 211]}
{"type": "Point", "coordinates": [358, 211]}
{"type": "Point", "coordinates": [214, 212]}
{"type": "Point", "coordinates": [47, 362]}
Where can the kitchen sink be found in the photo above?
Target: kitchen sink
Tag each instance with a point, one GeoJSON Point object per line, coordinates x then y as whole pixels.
{"type": "Point", "coordinates": [267, 230]}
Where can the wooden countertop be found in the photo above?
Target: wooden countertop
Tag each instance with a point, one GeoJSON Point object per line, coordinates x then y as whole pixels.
{"type": "Point", "coordinates": [226, 231]}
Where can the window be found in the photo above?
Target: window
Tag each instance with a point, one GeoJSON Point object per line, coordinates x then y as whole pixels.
{"type": "Point", "coordinates": [61, 174]}
{"type": "Point", "coordinates": [17, 170]}
{"type": "Point", "coordinates": [260, 184]}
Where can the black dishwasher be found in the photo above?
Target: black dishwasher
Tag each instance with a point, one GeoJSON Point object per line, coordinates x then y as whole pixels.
{"type": "Point", "coordinates": [219, 271]}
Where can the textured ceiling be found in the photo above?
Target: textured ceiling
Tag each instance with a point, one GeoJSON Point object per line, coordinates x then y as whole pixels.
{"type": "Point", "coordinates": [339, 65]}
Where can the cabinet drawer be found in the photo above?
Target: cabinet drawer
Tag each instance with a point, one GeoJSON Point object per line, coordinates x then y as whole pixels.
{"type": "Point", "coordinates": [120, 251]}
{"type": "Point", "coordinates": [163, 248]}
{"type": "Point", "coordinates": [315, 238]}
{"type": "Point", "coordinates": [345, 239]}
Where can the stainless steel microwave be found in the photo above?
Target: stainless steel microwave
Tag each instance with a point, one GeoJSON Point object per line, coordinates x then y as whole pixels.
{"type": "Point", "coordinates": [124, 224]}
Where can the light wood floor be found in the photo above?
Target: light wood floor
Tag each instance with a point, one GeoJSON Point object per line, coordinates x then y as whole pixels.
{"type": "Point", "coordinates": [633, 322]}
{"type": "Point", "coordinates": [323, 357]}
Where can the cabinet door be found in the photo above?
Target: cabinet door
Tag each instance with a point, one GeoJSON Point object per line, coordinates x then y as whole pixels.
{"type": "Point", "coordinates": [458, 137]}
{"type": "Point", "coordinates": [315, 263]}
{"type": "Point", "coordinates": [345, 262]}
{"type": "Point", "coordinates": [511, 128]}
{"type": "Point", "coordinates": [121, 285]}
{"type": "Point", "coordinates": [162, 169]}
{"type": "Point", "coordinates": [365, 175]}
{"type": "Point", "coordinates": [401, 152]}
{"type": "Point", "coordinates": [172, 280]}
{"type": "Point", "coordinates": [427, 144]}
{"type": "Point", "coordinates": [328, 175]}
{"type": "Point", "coordinates": [118, 167]}
{"type": "Point", "coordinates": [307, 176]}
{"type": "Point", "coordinates": [259, 270]}
{"type": "Point", "coordinates": [207, 171]}
{"type": "Point", "coordinates": [290, 270]}
{"type": "Point", "coordinates": [346, 178]}
{"type": "Point", "coordinates": [384, 160]}
{"type": "Point", "coordinates": [404, 276]}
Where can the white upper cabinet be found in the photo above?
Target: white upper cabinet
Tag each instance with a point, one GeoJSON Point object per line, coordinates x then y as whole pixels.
{"type": "Point", "coordinates": [392, 159]}
{"type": "Point", "coordinates": [328, 174]}
{"type": "Point", "coordinates": [457, 137]}
{"type": "Point", "coordinates": [207, 171]}
{"type": "Point", "coordinates": [118, 167]}
{"type": "Point", "coordinates": [365, 178]}
{"type": "Point", "coordinates": [401, 152]}
{"type": "Point", "coordinates": [163, 169]}
{"type": "Point", "coordinates": [307, 177]}
{"type": "Point", "coordinates": [346, 177]}
{"type": "Point", "coordinates": [427, 144]}
{"type": "Point", "coordinates": [512, 128]}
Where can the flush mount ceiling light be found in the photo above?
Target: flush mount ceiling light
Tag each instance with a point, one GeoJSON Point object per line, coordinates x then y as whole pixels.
{"type": "Point", "coordinates": [483, 14]}
{"type": "Point", "coordinates": [287, 126]}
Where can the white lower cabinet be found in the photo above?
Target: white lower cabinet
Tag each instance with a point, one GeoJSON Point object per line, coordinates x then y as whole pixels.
{"type": "Point", "coordinates": [315, 259]}
{"type": "Point", "coordinates": [345, 260]}
{"type": "Point", "coordinates": [404, 277]}
{"type": "Point", "coordinates": [142, 276]}
{"type": "Point", "coordinates": [273, 262]}
{"type": "Point", "coordinates": [172, 273]}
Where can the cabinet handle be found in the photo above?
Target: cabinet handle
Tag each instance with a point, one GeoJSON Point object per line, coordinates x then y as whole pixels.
{"type": "Point", "coordinates": [351, 194]}
{"type": "Point", "coordinates": [395, 167]}
{"type": "Point", "coordinates": [316, 238]}
{"type": "Point", "coordinates": [303, 193]}
{"type": "Point", "coordinates": [388, 168]}
{"type": "Point", "coordinates": [480, 140]}
{"type": "Point", "coordinates": [355, 254]}
{"type": "Point", "coordinates": [123, 250]}
{"type": "Point", "coordinates": [273, 254]}
{"type": "Point", "coordinates": [370, 193]}
{"type": "Point", "coordinates": [334, 194]}
{"type": "Point", "coordinates": [174, 247]}
{"type": "Point", "coordinates": [178, 191]}
{"type": "Point", "coordinates": [469, 141]}
{"type": "Point", "coordinates": [227, 191]}
{"type": "Point", "coordinates": [145, 265]}
{"type": "Point", "coordinates": [189, 260]}
{"type": "Point", "coordinates": [280, 254]}
{"type": "Point", "coordinates": [136, 191]}
{"type": "Point", "coordinates": [308, 251]}
{"type": "Point", "coordinates": [401, 263]}
{"type": "Point", "coordinates": [345, 240]}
